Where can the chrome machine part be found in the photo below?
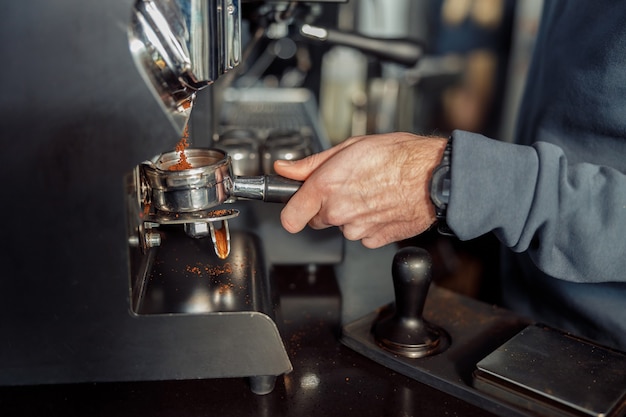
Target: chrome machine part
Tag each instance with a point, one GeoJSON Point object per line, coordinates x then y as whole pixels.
{"type": "Point", "coordinates": [75, 310]}
{"type": "Point", "coordinates": [286, 144]}
{"type": "Point", "coordinates": [243, 147]}
{"type": "Point", "coordinates": [210, 182]}
{"type": "Point", "coordinates": [202, 187]}
{"type": "Point", "coordinates": [220, 236]}
{"type": "Point", "coordinates": [401, 51]}
{"type": "Point", "coordinates": [269, 188]}
{"type": "Point", "coordinates": [180, 47]}
{"type": "Point", "coordinates": [174, 196]}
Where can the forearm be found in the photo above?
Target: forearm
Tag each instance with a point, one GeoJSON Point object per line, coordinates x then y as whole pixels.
{"type": "Point", "coordinates": [571, 219]}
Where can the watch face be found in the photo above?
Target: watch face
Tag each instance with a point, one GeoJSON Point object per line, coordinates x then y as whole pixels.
{"type": "Point", "coordinates": [440, 187]}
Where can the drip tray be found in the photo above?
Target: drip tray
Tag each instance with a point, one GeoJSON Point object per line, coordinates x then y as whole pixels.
{"type": "Point", "coordinates": [556, 374]}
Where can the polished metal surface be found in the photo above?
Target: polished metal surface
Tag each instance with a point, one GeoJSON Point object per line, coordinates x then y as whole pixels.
{"type": "Point", "coordinates": [554, 373]}
{"type": "Point", "coordinates": [203, 186]}
{"type": "Point", "coordinates": [243, 147]}
{"type": "Point", "coordinates": [200, 216]}
{"type": "Point", "coordinates": [270, 111]}
{"type": "Point", "coordinates": [289, 145]}
{"type": "Point", "coordinates": [208, 183]}
{"type": "Point", "coordinates": [182, 46]}
{"type": "Point", "coordinates": [254, 152]}
{"type": "Point", "coordinates": [186, 277]}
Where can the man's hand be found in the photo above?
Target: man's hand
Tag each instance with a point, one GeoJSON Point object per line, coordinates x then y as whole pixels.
{"type": "Point", "coordinates": [374, 188]}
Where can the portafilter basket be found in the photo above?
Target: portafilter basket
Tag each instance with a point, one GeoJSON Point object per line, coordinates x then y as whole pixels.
{"type": "Point", "coordinates": [208, 183]}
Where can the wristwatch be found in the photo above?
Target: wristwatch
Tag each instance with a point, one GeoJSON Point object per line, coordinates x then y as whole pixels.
{"type": "Point", "coordinates": [440, 184]}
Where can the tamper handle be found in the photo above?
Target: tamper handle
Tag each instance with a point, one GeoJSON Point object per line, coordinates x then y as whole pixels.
{"type": "Point", "coordinates": [403, 331]}
{"type": "Point", "coordinates": [411, 272]}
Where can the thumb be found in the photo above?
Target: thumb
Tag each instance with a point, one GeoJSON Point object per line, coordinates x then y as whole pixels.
{"type": "Point", "coordinates": [303, 168]}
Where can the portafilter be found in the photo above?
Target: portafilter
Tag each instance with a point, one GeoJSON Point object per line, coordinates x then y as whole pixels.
{"type": "Point", "coordinates": [208, 183]}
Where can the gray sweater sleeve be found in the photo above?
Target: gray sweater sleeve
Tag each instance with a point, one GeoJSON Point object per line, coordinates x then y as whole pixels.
{"type": "Point", "coordinates": [570, 218]}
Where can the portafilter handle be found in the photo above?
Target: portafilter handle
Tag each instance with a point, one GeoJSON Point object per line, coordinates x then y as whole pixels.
{"type": "Point", "coordinates": [269, 188]}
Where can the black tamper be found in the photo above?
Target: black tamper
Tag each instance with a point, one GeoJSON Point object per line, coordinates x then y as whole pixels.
{"type": "Point", "coordinates": [402, 329]}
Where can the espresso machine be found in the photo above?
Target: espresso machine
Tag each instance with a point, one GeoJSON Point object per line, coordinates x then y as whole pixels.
{"type": "Point", "coordinates": [114, 267]}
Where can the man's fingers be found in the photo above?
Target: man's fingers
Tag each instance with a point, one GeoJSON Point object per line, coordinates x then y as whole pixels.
{"type": "Point", "coordinates": [301, 208]}
{"type": "Point", "coordinates": [303, 168]}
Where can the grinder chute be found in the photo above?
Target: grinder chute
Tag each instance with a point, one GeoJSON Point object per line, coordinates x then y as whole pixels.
{"type": "Point", "coordinates": [180, 47]}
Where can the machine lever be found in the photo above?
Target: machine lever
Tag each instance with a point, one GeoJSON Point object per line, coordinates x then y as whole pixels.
{"type": "Point", "coordinates": [401, 51]}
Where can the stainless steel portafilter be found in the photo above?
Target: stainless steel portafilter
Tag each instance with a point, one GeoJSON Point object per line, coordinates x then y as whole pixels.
{"type": "Point", "coordinates": [208, 183]}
